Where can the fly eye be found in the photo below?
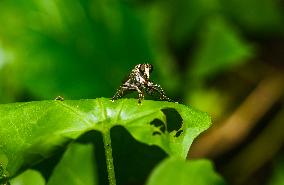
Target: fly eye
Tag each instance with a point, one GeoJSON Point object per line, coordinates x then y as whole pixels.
{"type": "Point", "coordinates": [142, 68]}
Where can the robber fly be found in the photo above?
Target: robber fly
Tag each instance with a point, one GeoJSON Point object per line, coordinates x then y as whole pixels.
{"type": "Point", "coordinates": [139, 80]}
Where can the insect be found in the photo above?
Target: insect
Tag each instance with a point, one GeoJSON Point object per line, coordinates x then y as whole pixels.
{"type": "Point", "coordinates": [60, 98]}
{"type": "Point", "coordinates": [139, 80]}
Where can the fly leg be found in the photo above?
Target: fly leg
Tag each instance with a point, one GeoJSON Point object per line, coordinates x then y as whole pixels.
{"type": "Point", "coordinates": [140, 95]}
{"type": "Point", "coordinates": [127, 88]}
{"type": "Point", "coordinates": [121, 91]}
{"type": "Point", "coordinates": [140, 92]}
{"type": "Point", "coordinates": [157, 88]}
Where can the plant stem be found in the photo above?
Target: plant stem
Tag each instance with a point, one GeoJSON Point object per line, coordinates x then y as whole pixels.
{"type": "Point", "coordinates": [109, 159]}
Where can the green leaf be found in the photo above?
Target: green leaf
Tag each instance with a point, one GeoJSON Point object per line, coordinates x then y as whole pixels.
{"type": "Point", "coordinates": [34, 130]}
{"type": "Point", "coordinates": [76, 167]}
{"type": "Point", "coordinates": [187, 18]}
{"type": "Point", "coordinates": [181, 172]}
{"type": "Point", "coordinates": [78, 52]}
{"type": "Point", "coordinates": [29, 177]}
{"type": "Point", "coordinates": [222, 48]}
{"type": "Point", "coordinates": [258, 16]}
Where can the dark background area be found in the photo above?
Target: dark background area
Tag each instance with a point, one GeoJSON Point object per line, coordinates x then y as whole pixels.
{"type": "Point", "coordinates": [222, 57]}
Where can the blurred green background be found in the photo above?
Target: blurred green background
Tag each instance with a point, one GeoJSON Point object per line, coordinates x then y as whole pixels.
{"type": "Point", "coordinates": [223, 57]}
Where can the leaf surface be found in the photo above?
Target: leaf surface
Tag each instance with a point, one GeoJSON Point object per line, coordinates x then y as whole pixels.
{"type": "Point", "coordinates": [76, 167]}
{"type": "Point", "coordinates": [181, 172]}
{"type": "Point", "coordinates": [32, 131]}
{"type": "Point", "coordinates": [29, 177]}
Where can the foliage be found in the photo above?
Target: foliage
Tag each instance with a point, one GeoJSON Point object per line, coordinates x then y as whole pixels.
{"type": "Point", "coordinates": [75, 52]}
{"type": "Point", "coordinates": [76, 167]}
{"type": "Point", "coordinates": [176, 171]}
{"type": "Point", "coordinates": [31, 177]}
{"type": "Point", "coordinates": [209, 54]}
{"type": "Point", "coordinates": [35, 130]}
